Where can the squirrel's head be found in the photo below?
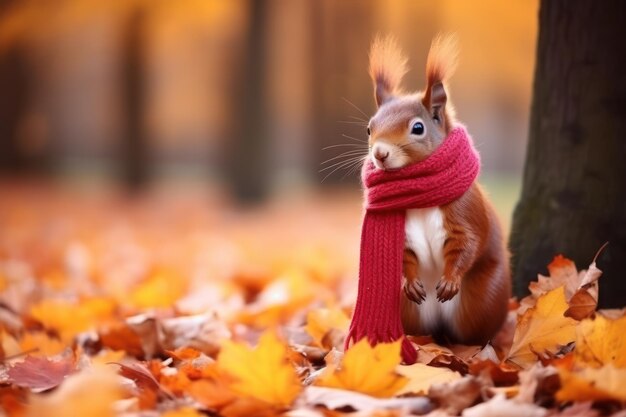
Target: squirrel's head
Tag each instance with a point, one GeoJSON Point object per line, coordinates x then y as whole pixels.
{"type": "Point", "coordinates": [407, 128]}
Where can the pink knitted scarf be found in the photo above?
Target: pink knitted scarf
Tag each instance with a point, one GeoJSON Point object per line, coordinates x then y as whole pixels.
{"type": "Point", "coordinates": [440, 179]}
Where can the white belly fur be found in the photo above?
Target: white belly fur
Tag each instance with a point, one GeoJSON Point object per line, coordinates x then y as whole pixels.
{"type": "Point", "coordinates": [425, 236]}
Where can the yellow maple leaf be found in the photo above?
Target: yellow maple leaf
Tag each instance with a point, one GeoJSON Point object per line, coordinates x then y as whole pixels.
{"type": "Point", "coordinates": [322, 320]}
{"type": "Point", "coordinates": [421, 377]}
{"type": "Point", "coordinates": [161, 289]}
{"type": "Point", "coordinates": [591, 384]}
{"type": "Point", "coordinates": [542, 328]}
{"type": "Point", "coordinates": [70, 318]}
{"type": "Point", "coordinates": [601, 341]}
{"type": "Point", "coordinates": [367, 369]}
{"type": "Point", "coordinates": [262, 372]}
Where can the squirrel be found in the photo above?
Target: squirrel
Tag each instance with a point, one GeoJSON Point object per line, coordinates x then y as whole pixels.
{"type": "Point", "coordinates": [456, 279]}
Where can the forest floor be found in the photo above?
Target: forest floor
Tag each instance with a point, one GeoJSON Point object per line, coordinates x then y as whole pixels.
{"type": "Point", "coordinates": [174, 303]}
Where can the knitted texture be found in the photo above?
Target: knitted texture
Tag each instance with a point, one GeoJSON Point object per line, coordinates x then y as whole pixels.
{"type": "Point", "coordinates": [438, 180]}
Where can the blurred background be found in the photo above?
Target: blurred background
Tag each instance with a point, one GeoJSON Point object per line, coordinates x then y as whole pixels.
{"type": "Point", "coordinates": [157, 145]}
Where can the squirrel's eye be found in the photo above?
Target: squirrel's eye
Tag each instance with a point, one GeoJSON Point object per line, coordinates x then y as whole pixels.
{"type": "Point", "coordinates": [368, 131]}
{"type": "Point", "coordinates": [418, 129]}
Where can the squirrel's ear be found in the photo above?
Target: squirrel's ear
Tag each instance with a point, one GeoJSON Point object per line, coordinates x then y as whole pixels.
{"type": "Point", "coordinates": [387, 67]}
{"type": "Point", "coordinates": [441, 63]}
{"type": "Point", "coordinates": [435, 99]}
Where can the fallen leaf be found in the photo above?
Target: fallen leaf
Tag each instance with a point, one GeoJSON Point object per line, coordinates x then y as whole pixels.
{"type": "Point", "coordinates": [601, 341]}
{"type": "Point", "coordinates": [70, 317]}
{"type": "Point", "coordinates": [420, 377]}
{"type": "Point", "coordinates": [120, 336]}
{"type": "Point", "coordinates": [91, 392]}
{"type": "Point", "coordinates": [500, 374]}
{"type": "Point", "coordinates": [334, 398]}
{"type": "Point", "coordinates": [562, 273]}
{"type": "Point", "coordinates": [499, 406]}
{"type": "Point", "coordinates": [366, 369]}
{"type": "Point", "coordinates": [542, 328]}
{"type": "Point", "coordinates": [582, 409]}
{"type": "Point", "coordinates": [321, 321]}
{"type": "Point", "coordinates": [592, 384]}
{"type": "Point", "coordinates": [183, 412]}
{"type": "Point", "coordinates": [41, 344]}
{"type": "Point", "coordinates": [203, 332]}
{"type": "Point", "coordinates": [212, 393]}
{"type": "Point", "coordinates": [142, 376]}
{"type": "Point", "coordinates": [537, 383]}
{"type": "Point", "coordinates": [457, 395]}
{"type": "Point", "coordinates": [161, 289]}
{"type": "Point", "coordinates": [261, 372]}
{"type": "Point", "coordinates": [40, 374]}
{"type": "Point", "coordinates": [583, 303]}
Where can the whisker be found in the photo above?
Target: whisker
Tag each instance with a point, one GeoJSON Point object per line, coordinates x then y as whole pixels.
{"type": "Point", "coordinates": [353, 122]}
{"type": "Point", "coordinates": [333, 171]}
{"type": "Point", "coordinates": [345, 155]}
{"type": "Point", "coordinates": [353, 138]}
{"type": "Point", "coordinates": [355, 106]}
{"type": "Point", "coordinates": [360, 119]}
{"type": "Point", "coordinates": [352, 145]}
{"type": "Point", "coordinates": [354, 168]}
{"type": "Point", "coordinates": [346, 162]}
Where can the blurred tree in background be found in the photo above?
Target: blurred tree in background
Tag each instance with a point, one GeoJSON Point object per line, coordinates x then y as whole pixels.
{"type": "Point", "coordinates": [243, 93]}
{"type": "Point", "coordinates": [574, 190]}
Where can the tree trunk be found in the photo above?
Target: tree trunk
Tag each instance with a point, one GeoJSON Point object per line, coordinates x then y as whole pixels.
{"type": "Point", "coordinates": [248, 150]}
{"type": "Point", "coordinates": [574, 191]}
{"type": "Point", "coordinates": [135, 142]}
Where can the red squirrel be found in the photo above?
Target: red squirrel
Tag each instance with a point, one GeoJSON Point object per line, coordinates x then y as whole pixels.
{"type": "Point", "coordinates": [456, 282]}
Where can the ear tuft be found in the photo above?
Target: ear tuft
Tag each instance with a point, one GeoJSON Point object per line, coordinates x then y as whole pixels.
{"type": "Point", "coordinates": [442, 59]}
{"type": "Point", "coordinates": [440, 65]}
{"type": "Point", "coordinates": [387, 67]}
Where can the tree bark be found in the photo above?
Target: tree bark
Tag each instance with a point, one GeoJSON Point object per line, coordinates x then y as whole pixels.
{"type": "Point", "coordinates": [248, 165]}
{"type": "Point", "coordinates": [135, 143]}
{"type": "Point", "coordinates": [574, 187]}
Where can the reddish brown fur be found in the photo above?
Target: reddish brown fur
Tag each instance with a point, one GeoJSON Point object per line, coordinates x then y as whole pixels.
{"type": "Point", "coordinates": [476, 261]}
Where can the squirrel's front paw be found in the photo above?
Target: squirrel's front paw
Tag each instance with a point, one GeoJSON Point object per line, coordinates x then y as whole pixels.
{"type": "Point", "coordinates": [447, 288]}
{"type": "Point", "coordinates": [414, 290]}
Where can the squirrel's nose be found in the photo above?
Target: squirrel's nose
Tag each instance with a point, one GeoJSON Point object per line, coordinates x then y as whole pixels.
{"type": "Point", "coordinates": [381, 154]}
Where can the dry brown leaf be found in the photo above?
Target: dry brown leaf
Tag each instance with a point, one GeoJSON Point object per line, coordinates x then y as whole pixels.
{"type": "Point", "coordinates": [334, 398]}
{"type": "Point", "coordinates": [499, 406]}
{"type": "Point", "coordinates": [457, 395]}
{"type": "Point", "coordinates": [562, 273]}
{"type": "Point", "coordinates": [40, 374]}
{"type": "Point", "coordinates": [142, 376]}
{"type": "Point", "coordinates": [542, 328]}
{"type": "Point", "coordinates": [203, 332]}
{"type": "Point", "coordinates": [500, 374]}
{"type": "Point", "coordinates": [583, 303]}
{"type": "Point", "coordinates": [536, 383]}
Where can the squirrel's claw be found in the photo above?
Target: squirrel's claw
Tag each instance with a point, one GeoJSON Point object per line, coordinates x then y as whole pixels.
{"type": "Point", "coordinates": [447, 289]}
{"type": "Point", "coordinates": [414, 290]}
